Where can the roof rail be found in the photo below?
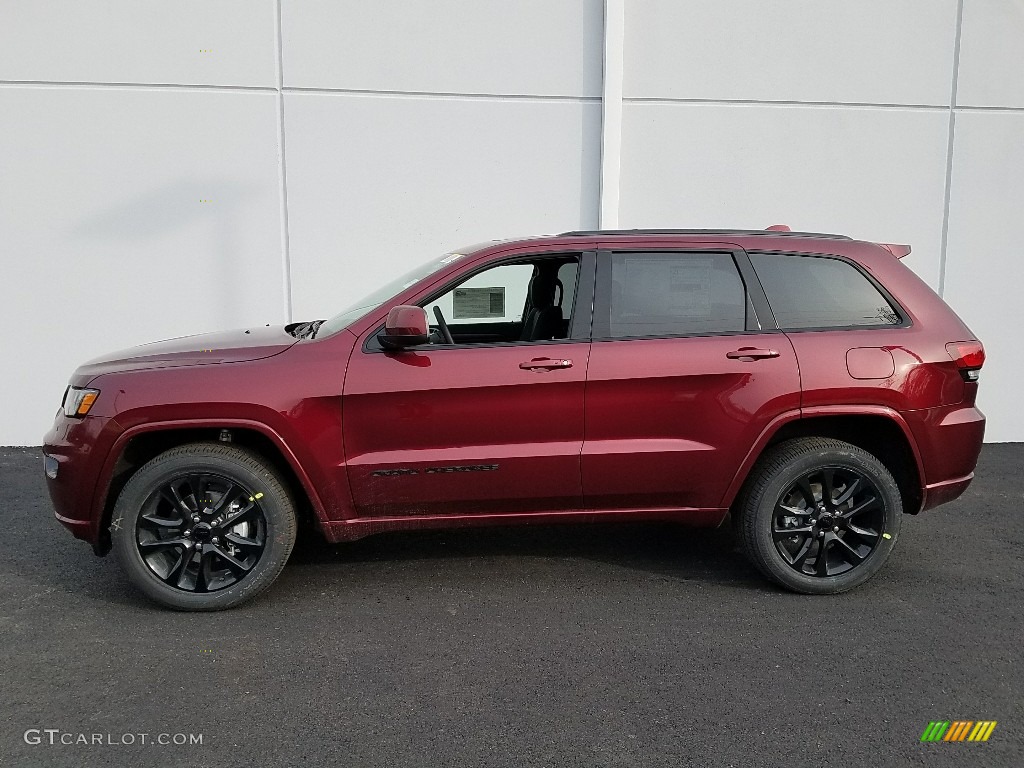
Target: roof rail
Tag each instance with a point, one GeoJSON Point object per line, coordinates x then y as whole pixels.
{"type": "Point", "coordinates": [737, 232]}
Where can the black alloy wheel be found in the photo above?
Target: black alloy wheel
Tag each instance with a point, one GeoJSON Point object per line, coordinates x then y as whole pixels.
{"type": "Point", "coordinates": [204, 526]}
{"type": "Point", "coordinates": [828, 521]}
{"type": "Point", "coordinates": [818, 515]}
{"type": "Point", "coordinates": [201, 532]}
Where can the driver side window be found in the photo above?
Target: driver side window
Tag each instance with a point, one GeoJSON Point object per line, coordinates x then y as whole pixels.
{"type": "Point", "coordinates": [497, 295]}
{"type": "Point", "coordinates": [518, 302]}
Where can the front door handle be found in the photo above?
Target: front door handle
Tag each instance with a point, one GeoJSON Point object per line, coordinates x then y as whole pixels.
{"type": "Point", "coordinates": [545, 364]}
{"type": "Point", "coordinates": [751, 353]}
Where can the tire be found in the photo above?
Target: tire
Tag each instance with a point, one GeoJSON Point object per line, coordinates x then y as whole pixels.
{"type": "Point", "coordinates": [230, 545]}
{"type": "Point", "coordinates": [856, 523]}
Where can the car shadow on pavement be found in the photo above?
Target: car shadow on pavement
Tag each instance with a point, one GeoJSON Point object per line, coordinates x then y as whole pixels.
{"type": "Point", "coordinates": [666, 549]}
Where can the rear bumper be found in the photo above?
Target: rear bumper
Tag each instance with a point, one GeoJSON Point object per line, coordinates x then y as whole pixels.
{"type": "Point", "coordinates": [949, 442]}
{"type": "Point", "coordinates": [939, 493]}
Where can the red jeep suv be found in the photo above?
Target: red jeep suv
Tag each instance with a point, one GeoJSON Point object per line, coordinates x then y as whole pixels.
{"type": "Point", "coordinates": [809, 384]}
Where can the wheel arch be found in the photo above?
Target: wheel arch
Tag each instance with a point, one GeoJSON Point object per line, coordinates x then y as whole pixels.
{"type": "Point", "coordinates": [881, 432]}
{"type": "Point", "coordinates": [146, 441]}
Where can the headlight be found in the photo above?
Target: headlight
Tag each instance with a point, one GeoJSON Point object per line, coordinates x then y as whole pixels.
{"type": "Point", "coordinates": [77, 402]}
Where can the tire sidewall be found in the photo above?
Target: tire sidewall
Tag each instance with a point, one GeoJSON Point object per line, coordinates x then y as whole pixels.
{"type": "Point", "coordinates": [772, 492]}
{"type": "Point", "coordinates": [275, 505]}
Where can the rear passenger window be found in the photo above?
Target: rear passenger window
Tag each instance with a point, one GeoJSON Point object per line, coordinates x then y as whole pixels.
{"type": "Point", "coordinates": [675, 294]}
{"type": "Point", "coordinates": [819, 292]}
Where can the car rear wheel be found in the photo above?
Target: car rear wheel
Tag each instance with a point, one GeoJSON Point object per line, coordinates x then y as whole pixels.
{"type": "Point", "coordinates": [203, 527]}
{"type": "Point", "coordinates": [819, 516]}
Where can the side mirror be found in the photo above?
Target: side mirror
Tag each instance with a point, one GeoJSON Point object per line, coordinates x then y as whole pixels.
{"type": "Point", "coordinates": [406, 326]}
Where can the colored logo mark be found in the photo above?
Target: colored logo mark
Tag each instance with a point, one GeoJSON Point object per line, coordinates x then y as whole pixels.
{"type": "Point", "coordinates": [958, 730]}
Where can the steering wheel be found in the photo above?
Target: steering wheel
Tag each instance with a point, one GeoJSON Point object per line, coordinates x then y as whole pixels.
{"type": "Point", "coordinates": [443, 326]}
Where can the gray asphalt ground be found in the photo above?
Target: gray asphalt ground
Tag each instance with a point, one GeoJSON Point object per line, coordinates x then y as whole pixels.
{"type": "Point", "coordinates": [629, 645]}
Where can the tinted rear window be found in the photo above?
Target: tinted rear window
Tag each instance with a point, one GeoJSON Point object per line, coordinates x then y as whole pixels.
{"type": "Point", "coordinates": [675, 294]}
{"type": "Point", "coordinates": [819, 292]}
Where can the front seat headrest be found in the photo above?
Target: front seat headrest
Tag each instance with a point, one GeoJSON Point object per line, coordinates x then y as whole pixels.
{"type": "Point", "coordinates": [542, 290]}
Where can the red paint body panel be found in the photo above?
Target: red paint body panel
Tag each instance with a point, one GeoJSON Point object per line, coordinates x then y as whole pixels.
{"type": "Point", "coordinates": [294, 401]}
{"type": "Point", "coordinates": [204, 349]}
{"type": "Point", "coordinates": [433, 412]}
{"type": "Point", "coordinates": [669, 420]}
{"type": "Point", "coordinates": [870, 363]}
{"type": "Point", "coordinates": [80, 447]}
{"type": "Point", "coordinates": [429, 437]}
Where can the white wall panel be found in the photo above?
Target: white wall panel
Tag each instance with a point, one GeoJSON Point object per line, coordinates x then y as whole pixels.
{"type": "Point", "coordinates": [541, 47]}
{"type": "Point", "coordinates": [873, 51]}
{"type": "Point", "coordinates": [984, 268]}
{"type": "Point", "coordinates": [100, 187]}
{"type": "Point", "coordinates": [378, 185]}
{"type": "Point", "coordinates": [992, 54]}
{"type": "Point", "coordinates": [868, 173]}
{"type": "Point", "coordinates": [223, 42]}
{"type": "Point", "coordinates": [106, 241]}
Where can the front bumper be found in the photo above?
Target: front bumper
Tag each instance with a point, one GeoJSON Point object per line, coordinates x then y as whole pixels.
{"type": "Point", "coordinates": [74, 451]}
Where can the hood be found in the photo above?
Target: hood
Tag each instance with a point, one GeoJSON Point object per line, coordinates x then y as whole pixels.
{"type": "Point", "coordinates": [202, 349]}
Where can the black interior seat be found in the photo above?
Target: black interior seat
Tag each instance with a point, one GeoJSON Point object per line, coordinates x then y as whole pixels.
{"type": "Point", "coordinates": [544, 320]}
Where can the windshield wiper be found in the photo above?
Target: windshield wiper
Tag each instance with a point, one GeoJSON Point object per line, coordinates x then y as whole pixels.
{"type": "Point", "coordinates": [305, 330]}
{"type": "Point", "coordinates": [314, 327]}
{"type": "Point", "coordinates": [299, 330]}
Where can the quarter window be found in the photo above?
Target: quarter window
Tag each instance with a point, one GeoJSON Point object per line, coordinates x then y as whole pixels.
{"type": "Point", "coordinates": [675, 294]}
{"type": "Point", "coordinates": [820, 292]}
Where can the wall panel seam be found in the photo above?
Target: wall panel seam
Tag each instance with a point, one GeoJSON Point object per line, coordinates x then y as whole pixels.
{"type": "Point", "coordinates": [442, 94]}
{"type": "Point", "coordinates": [613, 57]}
{"type": "Point", "coordinates": [968, 108]}
{"type": "Point", "coordinates": [286, 263]}
{"type": "Point", "coordinates": [136, 86]}
{"type": "Point", "coordinates": [784, 103]}
{"type": "Point", "coordinates": [297, 89]}
{"type": "Point", "coordinates": [948, 190]}
{"type": "Point", "coordinates": [497, 96]}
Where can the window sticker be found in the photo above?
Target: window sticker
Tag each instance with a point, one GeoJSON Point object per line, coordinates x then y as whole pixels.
{"type": "Point", "coordinates": [471, 303]}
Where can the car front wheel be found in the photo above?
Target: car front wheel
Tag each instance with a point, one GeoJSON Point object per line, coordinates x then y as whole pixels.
{"type": "Point", "coordinates": [203, 527]}
{"type": "Point", "coordinates": [819, 516]}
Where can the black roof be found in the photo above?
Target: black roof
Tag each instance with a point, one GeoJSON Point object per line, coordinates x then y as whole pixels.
{"type": "Point", "coordinates": [736, 232]}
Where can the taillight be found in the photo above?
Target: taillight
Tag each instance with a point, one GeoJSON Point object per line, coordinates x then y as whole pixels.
{"type": "Point", "coordinates": [969, 357]}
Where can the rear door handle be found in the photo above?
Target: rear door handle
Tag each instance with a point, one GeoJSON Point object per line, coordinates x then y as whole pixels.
{"type": "Point", "coordinates": [751, 353]}
{"type": "Point", "coordinates": [545, 364]}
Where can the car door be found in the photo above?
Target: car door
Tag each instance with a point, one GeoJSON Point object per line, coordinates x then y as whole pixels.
{"type": "Point", "coordinates": [686, 370]}
{"type": "Point", "coordinates": [489, 424]}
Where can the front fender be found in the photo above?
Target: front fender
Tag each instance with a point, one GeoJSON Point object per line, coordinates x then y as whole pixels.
{"type": "Point", "coordinates": [99, 503]}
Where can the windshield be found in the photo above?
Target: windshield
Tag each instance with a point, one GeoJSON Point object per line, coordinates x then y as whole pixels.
{"type": "Point", "coordinates": [370, 302]}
